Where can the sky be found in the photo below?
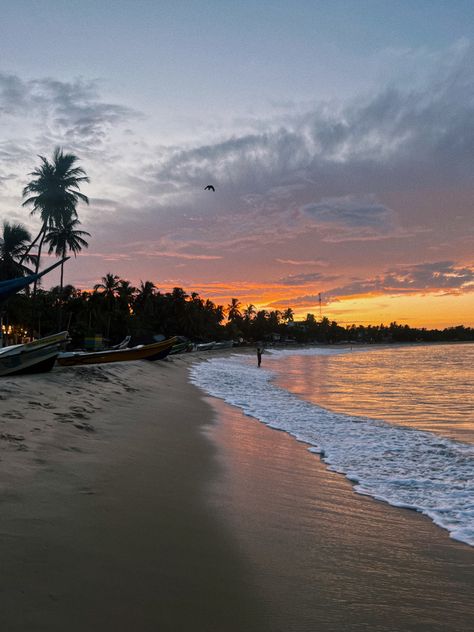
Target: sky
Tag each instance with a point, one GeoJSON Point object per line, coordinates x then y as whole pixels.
{"type": "Point", "coordinates": [339, 136]}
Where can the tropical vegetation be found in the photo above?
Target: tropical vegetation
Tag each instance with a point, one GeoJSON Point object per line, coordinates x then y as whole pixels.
{"type": "Point", "coordinates": [114, 309]}
{"type": "Point", "coordinates": [54, 194]}
{"type": "Point", "coordinates": [14, 247]}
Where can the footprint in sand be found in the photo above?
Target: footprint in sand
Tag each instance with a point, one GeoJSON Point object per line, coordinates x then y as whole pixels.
{"type": "Point", "coordinates": [63, 418]}
{"type": "Point", "coordinates": [11, 438]}
{"type": "Point", "coordinates": [79, 415]}
{"type": "Point", "coordinates": [81, 411]}
{"type": "Point", "coordinates": [85, 426]}
{"type": "Point", "coordinates": [12, 414]}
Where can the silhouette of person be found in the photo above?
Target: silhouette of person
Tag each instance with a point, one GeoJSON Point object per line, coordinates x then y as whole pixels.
{"type": "Point", "coordinates": [259, 356]}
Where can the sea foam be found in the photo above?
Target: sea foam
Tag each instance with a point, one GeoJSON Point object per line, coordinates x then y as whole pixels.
{"type": "Point", "coordinates": [403, 466]}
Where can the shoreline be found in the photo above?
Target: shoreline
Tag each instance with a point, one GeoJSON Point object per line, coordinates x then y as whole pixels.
{"type": "Point", "coordinates": [174, 511]}
{"type": "Point", "coordinates": [333, 557]}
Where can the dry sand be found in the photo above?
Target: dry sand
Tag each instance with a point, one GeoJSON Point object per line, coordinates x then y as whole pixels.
{"type": "Point", "coordinates": [131, 502]}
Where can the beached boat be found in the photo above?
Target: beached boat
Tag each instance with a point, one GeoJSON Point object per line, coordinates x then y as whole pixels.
{"type": "Point", "coordinates": [141, 352]}
{"type": "Point", "coordinates": [205, 346]}
{"type": "Point", "coordinates": [124, 344]}
{"type": "Point", "coordinates": [223, 344]}
{"type": "Point", "coordinates": [181, 347]}
{"type": "Point", "coordinates": [37, 356]}
{"type": "Point", "coordinates": [164, 352]}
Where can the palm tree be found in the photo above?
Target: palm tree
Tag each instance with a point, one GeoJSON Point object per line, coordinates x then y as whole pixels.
{"type": "Point", "coordinates": [179, 312]}
{"type": "Point", "coordinates": [146, 290]}
{"type": "Point", "coordinates": [14, 244]}
{"type": "Point", "coordinates": [144, 302]}
{"type": "Point", "coordinates": [64, 237]}
{"type": "Point", "coordinates": [249, 312]}
{"type": "Point", "coordinates": [125, 292]}
{"type": "Point", "coordinates": [288, 315]}
{"type": "Point", "coordinates": [54, 193]}
{"type": "Point", "coordinates": [233, 312]}
{"type": "Point", "coordinates": [109, 286]}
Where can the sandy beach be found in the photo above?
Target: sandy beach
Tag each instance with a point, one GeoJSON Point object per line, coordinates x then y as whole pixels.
{"type": "Point", "coordinates": [131, 501]}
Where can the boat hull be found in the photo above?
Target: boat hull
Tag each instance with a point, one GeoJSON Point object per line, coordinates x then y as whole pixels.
{"type": "Point", "coordinates": [161, 355]}
{"type": "Point", "coordinates": [37, 356]}
{"type": "Point", "coordinates": [35, 366]}
{"type": "Point", "coordinates": [119, 355]}
{"type": "Point", "coordinates": [181, 347]}
{"type": "Point", "coordinates": [225, 344]}
{"type": "Point", "coordinates": [205, 346]}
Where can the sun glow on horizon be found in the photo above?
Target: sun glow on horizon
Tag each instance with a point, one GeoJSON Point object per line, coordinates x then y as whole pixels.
{"type": "Point", "coordinates": [429, 309]}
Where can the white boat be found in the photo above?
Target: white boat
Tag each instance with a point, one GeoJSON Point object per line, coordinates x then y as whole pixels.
{"type": "Point", "coordinates": [37, 356]}
{"type": "Point", "coordinates": [205, 346]}
{"type": "Point", "coordinates": [224, 344]}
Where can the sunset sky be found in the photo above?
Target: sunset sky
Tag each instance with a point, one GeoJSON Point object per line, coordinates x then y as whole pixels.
{"type": "Point", "coordinates": [339, 136]}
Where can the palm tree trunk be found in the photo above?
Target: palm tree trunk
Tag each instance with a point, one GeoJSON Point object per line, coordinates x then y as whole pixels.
{"type": "Point", "coordinates": [27, 251]}
{"type": "Point", "coordinates": [61, 282]}
{"type": "Point", "coordinates": [33, 299]}
{"type": "Point", "coordinates": [60, 317]}
{"type": "Point", "coordinates": [43, 231]}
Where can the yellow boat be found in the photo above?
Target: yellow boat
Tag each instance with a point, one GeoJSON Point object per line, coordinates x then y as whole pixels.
{"type": "Point", "coordinates": [141, 352]}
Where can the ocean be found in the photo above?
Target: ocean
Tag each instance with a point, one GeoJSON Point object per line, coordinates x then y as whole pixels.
{"type": "Point", "coordinates": [398, 421]}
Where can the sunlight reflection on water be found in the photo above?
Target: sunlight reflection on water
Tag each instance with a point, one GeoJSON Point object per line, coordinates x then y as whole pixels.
{"type": "Point", "coordinates": [427, 387]}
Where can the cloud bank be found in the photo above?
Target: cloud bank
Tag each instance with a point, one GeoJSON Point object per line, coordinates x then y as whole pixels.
{"type": "Point", "coordinates": [362, 187]}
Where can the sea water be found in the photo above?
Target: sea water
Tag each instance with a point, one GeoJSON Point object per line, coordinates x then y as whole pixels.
{"type": "Point", "coordinates": [397, 421]}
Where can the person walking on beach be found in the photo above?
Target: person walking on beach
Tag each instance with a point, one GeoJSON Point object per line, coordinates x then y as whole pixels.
{"type": "Point", "coordinates": [259, 356]}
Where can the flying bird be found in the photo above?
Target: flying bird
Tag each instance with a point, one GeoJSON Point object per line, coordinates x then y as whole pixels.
{"type": "Point", "coordinates": [209, 188]}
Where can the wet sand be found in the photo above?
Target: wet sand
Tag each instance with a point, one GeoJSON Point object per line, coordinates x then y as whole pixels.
{"type": "Point", "coordinates": [160, 509]}
{"type": "Point", "coordinates": [325, 558]}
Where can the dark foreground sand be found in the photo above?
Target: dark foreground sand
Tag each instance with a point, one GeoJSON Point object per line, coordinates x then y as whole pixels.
{"type": "Point", "coordinates": [159, 509]}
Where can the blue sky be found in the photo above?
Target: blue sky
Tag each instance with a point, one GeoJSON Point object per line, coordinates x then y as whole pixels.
{"type": "Point", "coordinates": [339, 136]}
{"type": "Point", "coordinates": [222, 53]}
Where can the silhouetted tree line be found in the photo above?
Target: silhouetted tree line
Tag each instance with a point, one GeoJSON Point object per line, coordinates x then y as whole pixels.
{"type": "Point", "coordinates": [114, 309]}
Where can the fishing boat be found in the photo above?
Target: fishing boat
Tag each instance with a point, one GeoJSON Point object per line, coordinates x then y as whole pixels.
{"type": "Point", "coordinates": [181, 347]}
{"type": "Point", "coordinates": [140, 352]}
{"type": "Point", "coordinates": [223, 344]}
{"type": "Point", "coordinates": [205, 346]}
{"type": "Point", "coordinates": [165, 351]}
{"type": "Point", "coordinates": [37, 356]}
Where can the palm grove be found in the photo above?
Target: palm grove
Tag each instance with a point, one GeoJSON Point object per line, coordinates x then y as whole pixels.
{"type": "Point", "coordinates": [114, 308]}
